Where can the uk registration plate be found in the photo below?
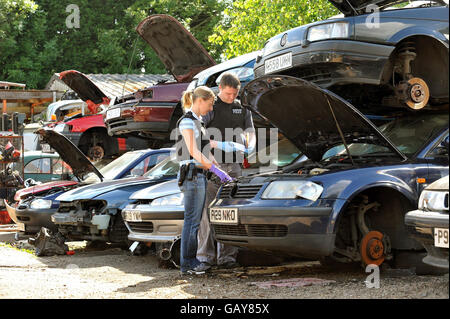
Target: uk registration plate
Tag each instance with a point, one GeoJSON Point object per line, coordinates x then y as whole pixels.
{"type": "Point", "coordinates": [441, 237]}
{"type": "Point", "coordinates": [110, 114]}
{"type": "Point", "coordinates": [277, 63]}
{"type": "Point", "coordinates": [133, 216]}
{"type": "Point", "coordinates": [223, 215]}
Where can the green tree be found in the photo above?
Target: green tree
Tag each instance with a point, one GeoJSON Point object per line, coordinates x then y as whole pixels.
{"type": "Point", "coordinates": [248, 24]}
{"type": "Point", "coordinates": [36, 42]}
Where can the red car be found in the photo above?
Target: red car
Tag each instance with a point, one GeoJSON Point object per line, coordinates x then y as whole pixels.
{"type": "Point", "coordinates": [89, 132]}
{"type": "Point", "coordinates": [152, 113]}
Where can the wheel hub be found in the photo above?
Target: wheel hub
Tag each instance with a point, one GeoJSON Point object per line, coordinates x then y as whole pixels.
{"type": "Point", "coordinates": [96, 153]}
{"type": "Point", "coordinates": [418, 93]}
{"type": "Point", "coordinates": [372, 248]}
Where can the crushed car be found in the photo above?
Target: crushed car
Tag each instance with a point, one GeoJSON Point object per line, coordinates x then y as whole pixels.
{"type": "Point", "coordinates": [374, 55]}
{"type": "Point", "coordinates": [32, 207]}
{"type": "Point", "coordinates": [152, 113]}
{"type": "Point", "coordinates": [428, 224]}
{"type": "Point", "coordinates": [346, 207]}
{"type": "Point", "coordinates": [93, 212]}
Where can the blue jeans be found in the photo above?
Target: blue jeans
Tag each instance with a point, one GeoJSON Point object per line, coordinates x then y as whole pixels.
{"type": "Point", "coordinates": [194, 200]}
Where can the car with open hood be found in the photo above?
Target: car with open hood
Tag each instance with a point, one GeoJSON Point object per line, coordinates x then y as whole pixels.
{"type": "Point", "coordinates": [87, 129]}
{"type": "Point", "coordinates": [374, 55]}
{"type": "Point", "coordinates": [152, 113]}
{"type": "Point", "coordinates": [93, 212]}
{"type": "Point", "coordinates": [33, 206]}
{"type": "Point", "coordinates": [429, 222]}
{"type": "Point", "coordinates": [156, 214]}
{"type": "Point", "coordinates": [349, 206]}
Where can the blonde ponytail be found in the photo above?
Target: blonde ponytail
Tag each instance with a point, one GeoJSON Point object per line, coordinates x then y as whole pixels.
{"type": "Point", "coordinates": [202, 92]}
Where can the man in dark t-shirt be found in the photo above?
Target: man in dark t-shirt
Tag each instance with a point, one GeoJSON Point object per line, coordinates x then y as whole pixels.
{"type": "Point", "coordinates": [227, 122]}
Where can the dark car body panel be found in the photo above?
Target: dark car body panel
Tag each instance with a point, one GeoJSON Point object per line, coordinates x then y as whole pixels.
{"type": "Point", "coordinates": [269, 92]}
{"type": "Point", "coordinates": [177, 49]}
{"type": "Point", "coordinates": [69, 153]}
{"type": "Point", "coordinates": [85, 88]}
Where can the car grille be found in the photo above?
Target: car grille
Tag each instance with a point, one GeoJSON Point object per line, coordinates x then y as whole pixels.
{"type": "Point", "coordinates": [240, 191]}
{"type": "Point", "coordinates": [251, 230]}
{"type": "Point", "coordinates": [141, 227]}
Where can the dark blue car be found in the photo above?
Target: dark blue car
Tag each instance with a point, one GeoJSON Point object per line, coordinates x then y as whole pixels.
{"type": "Point", "coordinates": [347, 207]}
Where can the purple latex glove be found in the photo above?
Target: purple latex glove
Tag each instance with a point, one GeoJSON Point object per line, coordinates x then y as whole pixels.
{"type": "Point", "coordinates": [224, 177]}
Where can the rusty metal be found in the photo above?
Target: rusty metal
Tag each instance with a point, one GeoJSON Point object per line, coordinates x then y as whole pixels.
{"type": "Point", "coordinates": [372, 248]}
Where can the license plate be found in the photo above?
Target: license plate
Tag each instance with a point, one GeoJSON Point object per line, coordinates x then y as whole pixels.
{"type": "Point", "coordinates": [110, 114]}
{"type": "Point", "coordinates": [278, 63]}
{"type": "Point", "coordinates": [441, 237]}
{"type": "Point", "coordinates": [223, 215]}
{"type": "Point", "coordinates": [133, 216]}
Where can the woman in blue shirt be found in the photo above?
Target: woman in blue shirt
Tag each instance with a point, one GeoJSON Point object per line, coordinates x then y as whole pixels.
{"type": "Point", "coordinates": [194, 165]}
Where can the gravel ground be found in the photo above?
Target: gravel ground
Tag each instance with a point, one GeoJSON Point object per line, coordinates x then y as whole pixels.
{"type": "Point", "coordinates": [114, 273]}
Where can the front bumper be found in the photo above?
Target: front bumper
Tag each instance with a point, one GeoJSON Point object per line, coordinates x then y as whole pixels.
{"type": "Point", "coordinates": [158, 223]}
{"type": "Point", "coordinates": [331, 62]}
{"type": "Point", "coordinates": [420, 225]}
{"type": "Point", "coordinates": [32, 219]}
{"type": "Point", "coordinates": [295, 230]}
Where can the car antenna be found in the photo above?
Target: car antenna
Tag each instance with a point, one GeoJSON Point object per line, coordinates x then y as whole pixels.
{"type": "Point", "coordinates": [340, 131]}
{"type": "Point", "coordinates": [129, 66]}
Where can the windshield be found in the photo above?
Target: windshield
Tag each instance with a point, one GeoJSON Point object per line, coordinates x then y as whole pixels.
{"type": "Point", "coordinates": [287, 154]}
{"type": "Point", "coordinates": [116, 167]}
{"type": "Point", "coordinates": [167, 167]}
{"type": "Point", "coordinates": [409, 134]}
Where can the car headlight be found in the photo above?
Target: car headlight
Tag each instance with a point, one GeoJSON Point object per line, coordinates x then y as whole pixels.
{"type": "Point", "coordinates": [293, 190]}
{"type": "Point", "coordinates": [433, 200]}
{"type": "Point", "coordinates": [328, 31]}
{"type": "Point", "coordinates": [41, 204]}
{"type": "Point", "coordinates": [170, 200]}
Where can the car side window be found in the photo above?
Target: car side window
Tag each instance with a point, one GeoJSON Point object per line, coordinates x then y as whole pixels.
{"type": "Point", "coordinates": [38, 166]}
{"type": "Point", "coordinates": [60, 167]}
{"type": "Point", "coordinates": [155, 159]}
{"type": "Point", "coordinates": [441, 149]}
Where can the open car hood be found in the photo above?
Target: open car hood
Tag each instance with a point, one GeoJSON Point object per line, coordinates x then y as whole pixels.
{"type": "Point", "coordinates": [69, 153]}
{"type": "Point", "coordinates": [85, 88]}
{"type": "Point", "coordinates": [308, 115]}
{"type": "Point", "coordinates": [181, 53]}
{"type": "Point", "coordinates": [356, 7]}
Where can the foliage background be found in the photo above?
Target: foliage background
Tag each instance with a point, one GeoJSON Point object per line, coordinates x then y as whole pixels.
{"type": "Point", "coordinates": [35, 41]}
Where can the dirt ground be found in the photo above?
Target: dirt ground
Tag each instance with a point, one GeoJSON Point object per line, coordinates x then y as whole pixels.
{"type": "Point", "coordinates": [115, 274]}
